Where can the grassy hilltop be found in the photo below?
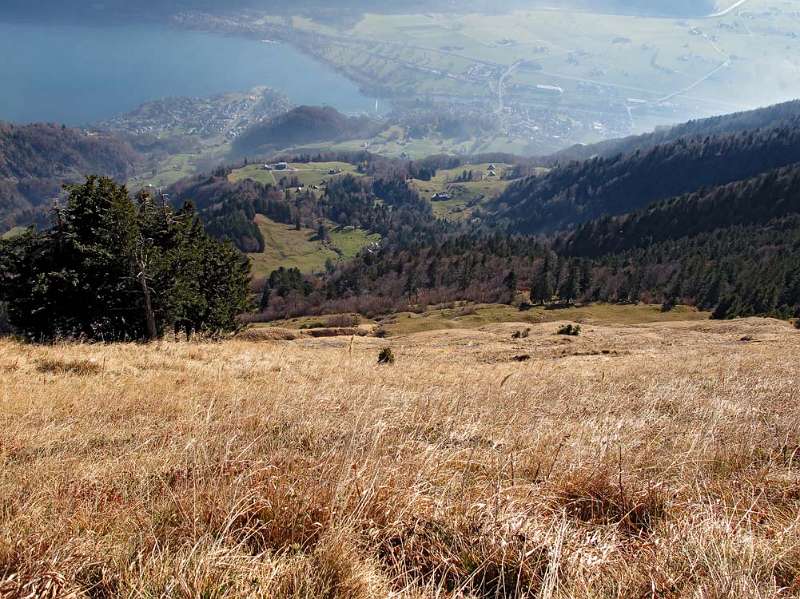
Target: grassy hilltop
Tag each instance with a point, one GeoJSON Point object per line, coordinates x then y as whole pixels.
{"type": "Point", "coordinates": [634, 460]}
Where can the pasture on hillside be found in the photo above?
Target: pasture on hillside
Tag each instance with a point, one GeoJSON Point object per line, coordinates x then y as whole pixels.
{"type": "Point", "coordinates": [306, 173]}
{"type": "Point", "coordinates": [464, 194]}
{"type": "Point", "coordinates": [289, 247]}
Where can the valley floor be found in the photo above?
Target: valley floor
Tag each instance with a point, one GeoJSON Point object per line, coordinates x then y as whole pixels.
{"type": "Point", "coordinates": [651, 460]}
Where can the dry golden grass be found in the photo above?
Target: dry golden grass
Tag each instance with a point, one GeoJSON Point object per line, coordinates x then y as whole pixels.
{"type": "Point", "coordinates": [658, 460]}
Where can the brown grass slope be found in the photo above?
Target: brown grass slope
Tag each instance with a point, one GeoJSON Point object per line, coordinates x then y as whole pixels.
{"type": "Point", "coordinates": [658, 460]}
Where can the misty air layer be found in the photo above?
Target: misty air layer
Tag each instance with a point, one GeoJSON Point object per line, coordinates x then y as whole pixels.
{"type": "Point", "coordinates": [443, 299]}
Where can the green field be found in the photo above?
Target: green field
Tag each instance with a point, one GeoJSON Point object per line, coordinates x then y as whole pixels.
{"type": "Point", "coordinates": [307, 174]}
{"type": "Point", "coordinates": [13, 232]}
{"type": "Point", "coordinates": [349, 241]}
{"type": "Point", "coordinates": [413, 148]}
{"type": "Point", "coordinates": [254, 172]}
{"type": "Point", "coordinates": [174, 168]}
{"type": "Point", "coordinates": [464, 193]}
{"type": "Point", "coordinates": [290, 248]}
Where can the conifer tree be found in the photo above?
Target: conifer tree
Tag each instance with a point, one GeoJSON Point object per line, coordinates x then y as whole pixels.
{"type": "Point", "coordinates": [113, 269]}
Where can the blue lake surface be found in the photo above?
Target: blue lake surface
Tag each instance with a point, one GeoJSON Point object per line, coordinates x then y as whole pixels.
{"type": "Point", "coordinates": [76, 75]}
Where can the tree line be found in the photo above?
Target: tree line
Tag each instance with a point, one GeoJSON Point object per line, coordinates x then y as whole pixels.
{"type": "Point", "coordinates": [112, 268]}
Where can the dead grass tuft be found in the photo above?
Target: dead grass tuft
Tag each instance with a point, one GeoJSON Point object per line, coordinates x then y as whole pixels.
{"type": "Point", "coordinates": [76, 367]}
{"type": "Point", "coordinates": [594, 497]}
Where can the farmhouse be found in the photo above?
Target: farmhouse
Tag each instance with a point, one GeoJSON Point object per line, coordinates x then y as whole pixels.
{"type": "Point", "coordinates": [280, 166]}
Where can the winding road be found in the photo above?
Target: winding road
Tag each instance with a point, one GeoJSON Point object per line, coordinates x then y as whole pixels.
{"type": "Point", "coordinates": [728, 10]}
{"type": "Point", "coordinates": [502, 82]}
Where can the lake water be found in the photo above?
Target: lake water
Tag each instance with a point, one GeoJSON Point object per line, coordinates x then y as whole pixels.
{"type": "Point", "coordinates": [77, 75]}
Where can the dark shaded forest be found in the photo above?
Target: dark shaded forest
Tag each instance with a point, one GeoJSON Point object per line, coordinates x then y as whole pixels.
{"type": "Point", "coordinates": [731, 248]}
{"type": "Point", "coordinates": [36, 160]}
{"type": "Point", "coordinates": [302, 125]}
{"type": "Point", "coordinates": [581, 191]}
{"type": "Point", "coordinates": [769, 116]}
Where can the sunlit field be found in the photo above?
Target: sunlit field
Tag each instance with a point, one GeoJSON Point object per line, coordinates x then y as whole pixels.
{"type": "Point", "coordinates": [654, 460]}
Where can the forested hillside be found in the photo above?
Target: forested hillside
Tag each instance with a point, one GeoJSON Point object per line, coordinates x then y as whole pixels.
{"type": "Point", "coordinates": [753, 202]}
{"type": "Point", "coordinates": [302, 125]}
{"type": "Point", "coordinates": [738, 270]}
{"type": "Point", "coordinates": [769, 116]}
{"type": "Point", "coordinates": [380, 202]}
{"type": "Point", "coordinates": [581, 191]}
{"type": "Point", "coordinates": [36, 160]}
{"type": "Point", "coordinates": [711, 221]}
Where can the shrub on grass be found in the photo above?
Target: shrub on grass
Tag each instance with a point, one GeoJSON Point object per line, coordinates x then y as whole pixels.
{"type": "Point", "coordinates": [570, 330]}
{"type": "Point", "coordinates": [342, 321]}
{"type": "Point", "coordinates": [386, 356]}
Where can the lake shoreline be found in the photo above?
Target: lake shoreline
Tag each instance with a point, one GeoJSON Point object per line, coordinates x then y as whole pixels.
{"type": "Point", "coordinates": [96, 63]}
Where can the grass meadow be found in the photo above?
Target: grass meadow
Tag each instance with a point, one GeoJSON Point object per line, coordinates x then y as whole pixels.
{"type": "Point", "coordinates": [636, 460]}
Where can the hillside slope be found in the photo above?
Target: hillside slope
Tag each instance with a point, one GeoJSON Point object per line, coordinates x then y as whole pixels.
{"type": "Point", "coordinates": [302, 125]}
{"type": "Point", "coordinates": [36, 160]}
{"type": "Point", "coordinates": [581, 191]}
{"type": "Point", "coordinates": [752, 202]}
{"type": "Point", "coordinates": [769, 116]}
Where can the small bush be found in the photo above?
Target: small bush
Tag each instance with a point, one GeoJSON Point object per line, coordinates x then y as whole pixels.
{"type": "Point", "coordinates": [78, 367]}
{"type": "Point", "coordinates": [341, 332]}
{"type": "Point", "coordinates": [386, 356]}
{"type": "Point", "coordinates": [342, 321]}
{"type": "Point", "coordinates": [797, 323]}
{"type": "Point", "coordinates": [521, 334]}
{"type": "Point", "coordinates": [465, 311]}
{"type": "Point", "coordinates": [570, 330]}
{"type": "Point", "coordinates": [267, 334]}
